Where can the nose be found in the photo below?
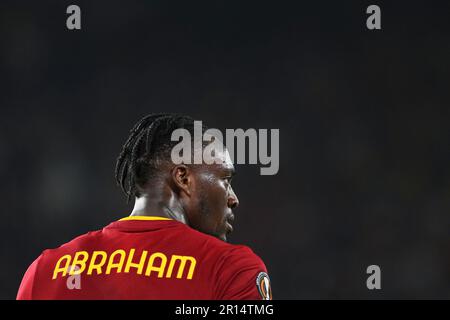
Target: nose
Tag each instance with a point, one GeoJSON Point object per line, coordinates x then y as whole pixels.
{"type": "Point", "coordinates": [233, 200]}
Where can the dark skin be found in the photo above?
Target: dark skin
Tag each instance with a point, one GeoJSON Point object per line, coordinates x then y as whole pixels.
{"type": "Point", "coordinates": [200, 196]}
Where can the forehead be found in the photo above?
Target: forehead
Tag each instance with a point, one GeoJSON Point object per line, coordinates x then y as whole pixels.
{"type": "Point", "coordinates": [222, 161]}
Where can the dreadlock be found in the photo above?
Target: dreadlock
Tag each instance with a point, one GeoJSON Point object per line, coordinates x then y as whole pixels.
{"type": "Point", "coordinates": [148, 144]}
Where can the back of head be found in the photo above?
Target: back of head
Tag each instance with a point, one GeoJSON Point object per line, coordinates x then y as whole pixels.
{"type": "Point", "coordinates": [147, 148]}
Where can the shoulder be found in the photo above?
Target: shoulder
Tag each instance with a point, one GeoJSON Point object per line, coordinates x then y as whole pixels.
{"type": "Point", "coordinates": [242, 275]}
{"type": "Point", "coordinates": [221, 249]}
{"type": "Point", "coordinates": [65, 247]}
{"type": "Point", "coordinates": [238, 259]}
{"type": "Point", "coordinates": [239, 273]}
{"type": "Point", "coordinates": [82, 239]}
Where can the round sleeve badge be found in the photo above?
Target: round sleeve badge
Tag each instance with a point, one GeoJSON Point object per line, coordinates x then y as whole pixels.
{"type": "Point", "coordinates": [263, 285]}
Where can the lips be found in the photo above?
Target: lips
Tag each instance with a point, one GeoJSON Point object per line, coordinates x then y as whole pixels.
{"type": "Point", "coordinates": [230, 220]}
{"type": "Point", "coordinates": [229, 228]}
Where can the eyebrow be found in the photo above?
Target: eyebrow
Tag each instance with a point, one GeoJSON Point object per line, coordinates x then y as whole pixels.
{"type": "Point", "coordinates": [232, 171]}
{"type": "Point", "coordinates": [228, 170]}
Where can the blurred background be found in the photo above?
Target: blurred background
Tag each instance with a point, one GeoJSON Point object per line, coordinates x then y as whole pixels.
{"type": "Point", "coordinates": [363, 118]}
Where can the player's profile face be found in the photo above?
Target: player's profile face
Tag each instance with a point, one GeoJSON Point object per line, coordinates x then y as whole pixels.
{"type": "Point", "coordinates": [214, 198]}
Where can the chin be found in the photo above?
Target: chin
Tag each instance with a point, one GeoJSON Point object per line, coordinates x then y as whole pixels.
{"type": "Point", "coordinates": [222, 237]}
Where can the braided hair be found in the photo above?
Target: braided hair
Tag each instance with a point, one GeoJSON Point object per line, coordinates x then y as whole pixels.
{"type": "Point", "coordinates": [148, 145]}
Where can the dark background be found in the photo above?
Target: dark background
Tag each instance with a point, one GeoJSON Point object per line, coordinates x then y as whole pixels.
{"type": "Point", "coordinates": [363, 118]}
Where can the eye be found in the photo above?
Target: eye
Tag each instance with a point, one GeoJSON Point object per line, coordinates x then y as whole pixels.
{"type": "Point", "coordinates": [228, 179]}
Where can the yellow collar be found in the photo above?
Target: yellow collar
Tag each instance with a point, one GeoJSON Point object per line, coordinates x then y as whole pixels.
{"type": "Point", "coordinates": [153, 218]}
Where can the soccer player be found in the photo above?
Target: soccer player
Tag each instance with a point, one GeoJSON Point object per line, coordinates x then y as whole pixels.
{"type": "Point", "coordinates": [172, 246]}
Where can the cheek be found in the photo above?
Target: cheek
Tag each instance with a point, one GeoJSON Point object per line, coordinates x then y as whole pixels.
{"type": "Point", "coordinates": [214, 202]}
{"type": "Point", "coordinates": [220, 194]}
{"type": "Point", "coordinates": [215, 189]}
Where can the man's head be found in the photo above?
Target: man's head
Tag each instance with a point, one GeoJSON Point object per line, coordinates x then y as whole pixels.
{"type": "Point", "coordinates": [202, 191]}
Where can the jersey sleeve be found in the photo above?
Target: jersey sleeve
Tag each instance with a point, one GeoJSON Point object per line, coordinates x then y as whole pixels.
{"type": "Point", "coordinates": [26, 286]}
{"type": "Point", "coordinates": [242, 275]}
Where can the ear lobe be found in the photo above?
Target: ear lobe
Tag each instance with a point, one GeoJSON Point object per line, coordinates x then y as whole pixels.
{"type": "Point", "coordinates": [181, 177]}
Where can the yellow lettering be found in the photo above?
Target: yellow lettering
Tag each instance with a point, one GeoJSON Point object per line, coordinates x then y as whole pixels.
{"type": "Point", "coordinates": [159, 269]}
{"type": "Point", "coordinates": [63, 269]}
{"type": "Point", "coordinates": [131, 264]}
{"type": "Point", "coordinates": [183, 260]}
{"type": "Point", "coordinates": [80, 262]}
{"type": "Point", "coordinates": [118, 265]}
{"type": "Point", "coordinates": [116, 260]}
{"type": "Point", "coordinates": [97, 266]}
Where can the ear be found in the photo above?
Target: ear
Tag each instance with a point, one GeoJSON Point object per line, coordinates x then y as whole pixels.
{"type": "Point", "coordinates": [182, 178]}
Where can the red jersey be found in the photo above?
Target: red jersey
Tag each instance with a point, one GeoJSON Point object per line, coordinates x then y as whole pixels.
{"type": "Point", "coordinates": [146, 258]}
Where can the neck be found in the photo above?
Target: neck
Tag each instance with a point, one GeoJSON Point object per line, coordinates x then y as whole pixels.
{"type": "Point", "coordinates": [159, 203]}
